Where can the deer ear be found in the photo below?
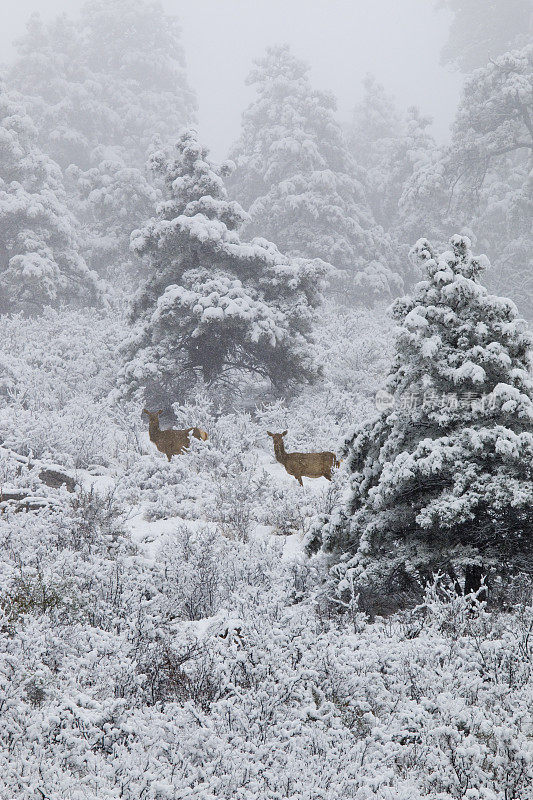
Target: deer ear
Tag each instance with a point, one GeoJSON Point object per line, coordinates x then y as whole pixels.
{"type": "Point", "coordinates": [270, 434]}
{"type": "Point", "coordinates": [160, 411]}
{"type": "Point", "coordinates": [284, 433]}
{"type": "Point", "coordinates": [145, 411]}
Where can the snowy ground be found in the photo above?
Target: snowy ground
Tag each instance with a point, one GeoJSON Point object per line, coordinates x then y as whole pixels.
{"type": "Point", "coordinates": [164, 636]}
{"type": "Point", "coordinates": [152, 535]}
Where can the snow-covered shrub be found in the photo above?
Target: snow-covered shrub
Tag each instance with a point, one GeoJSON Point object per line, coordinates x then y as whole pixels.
{"type": "Point", "coordinates": [64, 561]}
{"type": "Point", "coordinates": [207, 666]}
{"type": "Point", "coordinates": [293, 511]}
{"type": "Point", "coordinates": [164, 489]}
{"type": "Point", "coordinates": [194, 560]}
{"type": "Point", "coordinates": [323, 711]}
{"type": "Point", "coordinates": [53, 393]}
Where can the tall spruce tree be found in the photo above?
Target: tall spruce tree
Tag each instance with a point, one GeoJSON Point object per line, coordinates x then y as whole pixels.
{"type": "Point", "coordinates": [390, 147]}
{"type": "Point", "coordinates": [299, 183]}
{"type": "Point", "coordinates": [105, 83]}
{"type": "Point", "coordinates": [442, 479]}
{"type": "Point", "coordinates": [39, 260]}
{"type": "Point", "coordinates": [482, 30]}
{"type": "Point", "coordinates": [375, 119]}
{"type": "Point", "coordinates": [481, 181]}
{"type": "Point", "coordinates": [102, 88]}
{"type": "Point", "coordinates": [492, 157]}
{"type": "Point", "coordinates": [215, 307]}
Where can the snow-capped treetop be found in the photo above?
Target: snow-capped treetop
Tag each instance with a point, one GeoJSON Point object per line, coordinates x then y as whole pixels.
{"type": "Point", "coordinates": [391, 147]}
{"type": "Point", "coordinates": [494, 116]}
{"type": "Point", "coordinates": [375, 118]}
{"type": "Point", "coordinates": [455, 337]}
{"type": "Point", "coordinates": [103, 88]}
{"type": "Point", "coordinates": [197, 225]}
{"type": "Point", "coordinates": [290, 127]}
{"type": "Point", "coordinates": [193, 184]}
{"type": "Point", "coordinates": [480, 183]}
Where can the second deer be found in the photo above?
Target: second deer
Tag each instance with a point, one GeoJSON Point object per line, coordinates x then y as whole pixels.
{"type": "Point", "coordinates": [308, 465]}
{"type": "Point", "coordinates": [171, 442]}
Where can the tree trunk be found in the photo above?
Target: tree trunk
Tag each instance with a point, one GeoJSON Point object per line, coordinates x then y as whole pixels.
{"type": "Point", "coordinates": [473, 576]}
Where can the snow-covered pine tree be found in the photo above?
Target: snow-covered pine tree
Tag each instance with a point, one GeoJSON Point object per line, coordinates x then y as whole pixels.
{"type": "Point", "coordinates": [481, 181]}
{"type": "Point", "coordinates": [442, 479]}
{"type": "Point", "coordinates": [39, 262]}
{"type": "Point", "coordinates": [113, 78]}
{"type": "Point", "coordinates": [390, 147]}
{"type": "Point", "coordinates": [102, 87]}
{"type": "Point", "coordinates": [214, 306]}
{"type": "Point", "coordinates": [492, 156]}
{"type": "Point", "coordinates": [375, 119]}
{"type": "Point", "coordinates": [295, 176]}
{"type": "Point", "coordinates": [481, 31]}
{"type": "Point", "coordinates": [112, 200]}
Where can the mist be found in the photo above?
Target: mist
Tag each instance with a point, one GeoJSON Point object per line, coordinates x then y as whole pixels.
{"type": "Point", "coordinates": [399, 43]}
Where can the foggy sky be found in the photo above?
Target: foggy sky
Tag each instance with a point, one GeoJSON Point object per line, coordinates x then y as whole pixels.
{"type": "Point", "coordinates": [397, 40]}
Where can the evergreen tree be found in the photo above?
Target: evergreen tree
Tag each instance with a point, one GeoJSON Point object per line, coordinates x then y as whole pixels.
{"type": "Point", "coordinates": [426, 200]}
{"type": "Point", "coordinates": [442, 479]}
{"type": "Point", "coordinates": [481, 183]}
{"type": "Point", "coordinates": [390, 147]}
{"type": "Point", "coordinates": [39, 262]}
{"type": "Point", "coordinates": [104, 84]}
{"type": "Point", "coordinates": [492, 155]}
{"type": "Point", "coordinates": [298, 181]}
{"type": "Point", "coordinates": [101, 89]}
{"type": "Point", "coordinates": [482, 30]}
{"type": "Point", "coordinates": [112, 200]}
{"type": "Point", "coordinates": [375, 119]}
{"type": "Point", "coordinates": [214, 307]}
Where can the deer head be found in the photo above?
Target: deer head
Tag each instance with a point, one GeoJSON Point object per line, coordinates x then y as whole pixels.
{"type": "Point", "coordinates": [278, 437]}
{"type": "Point", "coordinates": [279, 447]}
{"type": "Point", "coordinates": [153, 420]}
{"type": "Point", "coordinates": [153, 415]}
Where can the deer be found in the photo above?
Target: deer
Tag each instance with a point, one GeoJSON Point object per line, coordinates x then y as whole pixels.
{"type": "Point", "coordinates": [171, 442]}
{"type": "Point", "coordinates": [309, 465]}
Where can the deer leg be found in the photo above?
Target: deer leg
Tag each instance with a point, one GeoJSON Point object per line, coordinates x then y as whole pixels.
{"type": "Point", "coordinates": [299, 479]}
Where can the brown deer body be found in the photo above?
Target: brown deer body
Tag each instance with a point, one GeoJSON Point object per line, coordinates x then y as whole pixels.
{"type": "Point", "coordinates": [308, 465]}
{"type": "Point", "coordinates": [171, 442]}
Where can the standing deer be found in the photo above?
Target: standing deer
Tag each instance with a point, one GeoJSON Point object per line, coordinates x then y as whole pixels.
{"type": "Point", "coordinates": [170, 441]}
{"type": "Point", "coordinates": [310, 465]}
